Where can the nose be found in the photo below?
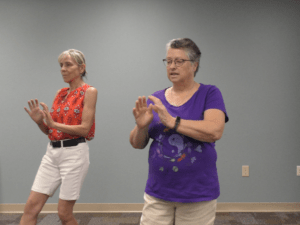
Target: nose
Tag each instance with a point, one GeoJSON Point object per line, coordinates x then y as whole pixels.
{"type": "Point", "coordinates": [173, 65]}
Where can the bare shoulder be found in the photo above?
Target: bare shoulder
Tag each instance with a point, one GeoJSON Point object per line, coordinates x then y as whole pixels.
{"type": "Point", "coordinates": [91, 96]}
{"type": "Point", "coordinates": [91, 90]}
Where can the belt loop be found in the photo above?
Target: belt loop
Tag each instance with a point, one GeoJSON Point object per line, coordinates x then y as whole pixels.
{"type": "Point", "coordinates": [61, 143]}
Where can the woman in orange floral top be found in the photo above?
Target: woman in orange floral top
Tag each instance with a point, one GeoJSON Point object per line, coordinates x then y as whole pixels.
{"type": "Point", "coordinates": [69, 124]}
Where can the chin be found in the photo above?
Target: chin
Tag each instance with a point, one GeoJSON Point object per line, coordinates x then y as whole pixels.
{"type": "Point", "coordinates": [174, 79]}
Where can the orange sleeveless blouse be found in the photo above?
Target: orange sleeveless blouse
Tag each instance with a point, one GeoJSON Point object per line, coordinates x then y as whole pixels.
{"type": "Point", "coordinates": [69, 111]}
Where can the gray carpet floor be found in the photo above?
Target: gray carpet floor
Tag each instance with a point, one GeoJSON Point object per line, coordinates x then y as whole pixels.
{"type": "Point", "coordinates": [134, 218]}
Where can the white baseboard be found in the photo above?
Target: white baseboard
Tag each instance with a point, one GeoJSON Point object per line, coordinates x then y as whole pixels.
{"type": "Point", "coordinates": [137, 207]}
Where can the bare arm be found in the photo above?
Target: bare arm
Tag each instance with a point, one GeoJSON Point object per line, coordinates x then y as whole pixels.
{"type": "Point", "coordinates": [139, 138]}
{"type": "Point", "coordinates": [88, 116]}
{"type": "Point", "coordinates": [208, 130]}
{"type": "Point", "coordinates": [143, 115]}
{"type": "Point", "coordinates": [44, 128]}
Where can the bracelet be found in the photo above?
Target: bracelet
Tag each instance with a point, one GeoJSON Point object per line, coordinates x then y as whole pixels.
{"type": "Point", "coordinates": [177, 121]}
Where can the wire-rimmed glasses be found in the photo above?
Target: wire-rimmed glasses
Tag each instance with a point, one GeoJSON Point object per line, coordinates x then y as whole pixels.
{"type": "Point", "coordinates": [178, 62]}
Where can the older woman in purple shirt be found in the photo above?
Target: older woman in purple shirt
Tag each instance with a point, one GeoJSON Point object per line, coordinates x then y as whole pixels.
{"type": "Point", "coordinates": [184, 121]}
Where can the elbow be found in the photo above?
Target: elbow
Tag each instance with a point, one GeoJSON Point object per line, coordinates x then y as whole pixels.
{"type": "Point", "coordinates": [132, 144]}
{"type": "Point", "coordinates": [216, 136]}
{"type": "Point", "coordinates": [213, 136]}
{"type": "Point", "coordinates": [85, 132]}
{"type": "Point", "coordinates": [131, 141]}
{"type": "Point", "coordinates": [135, 145]}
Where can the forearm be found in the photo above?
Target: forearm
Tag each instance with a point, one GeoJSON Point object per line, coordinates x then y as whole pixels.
{"type": "Point", "coordinates": [201, 130]}
{"type": "Point", "coordinates": [44, 128]}
{"type": "Point", "coordinates": [80, 130]}
{"type": "Point", "coordinates": [139, 138]}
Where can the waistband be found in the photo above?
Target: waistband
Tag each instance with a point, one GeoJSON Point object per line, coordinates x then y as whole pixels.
{"type": "Point", "coordinates": [67, 143]}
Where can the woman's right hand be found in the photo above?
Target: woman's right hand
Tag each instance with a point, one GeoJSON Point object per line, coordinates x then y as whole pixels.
{"type": "Point", "coordinates": [143, 114]}
{"type": "Point", "coordinates": [35, 112]}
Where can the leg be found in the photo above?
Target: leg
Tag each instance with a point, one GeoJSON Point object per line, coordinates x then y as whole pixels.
{"type": "Point", "coordinates": [65, 212]}
{"type": "Point", "coordinates": [203, 213]}
{"type": "Point", "coordinates": [157, 211]}
{"type": "Point", "coordinates": [33, 206]}
{"type": "Point", "coordinates": [73, 170]}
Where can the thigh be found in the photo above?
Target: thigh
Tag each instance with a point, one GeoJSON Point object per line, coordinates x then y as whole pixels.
{"type": "Point", "coordinates": [48, 177]}
{"type": "Point", "coordinates": [73, 169]}
{"type": "Point", "coordinates": [203, 213]}
{"type": "Point", "coordinates": [157, 211]}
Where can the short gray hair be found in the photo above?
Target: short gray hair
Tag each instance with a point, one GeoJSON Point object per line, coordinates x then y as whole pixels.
{"type": "Point", "coordinates": [77, 55]}
{"type": "Point", "coordinates": [190, 48]}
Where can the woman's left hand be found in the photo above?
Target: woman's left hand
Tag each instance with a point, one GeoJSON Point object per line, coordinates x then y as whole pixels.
{"type": "Point", "coordinates": [47, 116]}
{"type": "Point", "coordinates": [162, 112]}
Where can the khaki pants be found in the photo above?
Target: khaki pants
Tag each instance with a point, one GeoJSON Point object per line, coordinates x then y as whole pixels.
{"type": "Point", "coordinates": [159, 212]}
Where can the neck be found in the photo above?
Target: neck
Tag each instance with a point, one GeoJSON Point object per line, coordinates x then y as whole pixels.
{"type": "Point", "coordinates": [183, 86]}
{"type": "Point", "coordinates": [76, 83]}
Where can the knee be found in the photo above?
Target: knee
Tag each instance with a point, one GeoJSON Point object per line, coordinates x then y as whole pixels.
{"type": "Point", "coordinates": [32, 208]}
{"type": "Point", "coordinates": [64, 215]}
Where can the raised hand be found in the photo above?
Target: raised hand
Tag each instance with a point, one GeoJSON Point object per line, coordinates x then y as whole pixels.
{"type": "Point", "coordinates": [47, 116]}
{"type": "Point", "coordinates": [143, 114]}
{"type": "Point", "coordinates": [35, 112]}
{"type": "Point", "coordinates": [162, 112]}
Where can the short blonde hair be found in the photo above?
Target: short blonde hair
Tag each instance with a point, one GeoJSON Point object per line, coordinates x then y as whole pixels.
{"type": "Point", "coordinates": [77, 55]}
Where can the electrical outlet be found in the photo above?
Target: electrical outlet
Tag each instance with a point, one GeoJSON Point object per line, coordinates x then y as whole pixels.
{"type": "Point", "coordinates": [298, 170]}
{"type": "Point", "coordinates": [245, 171]}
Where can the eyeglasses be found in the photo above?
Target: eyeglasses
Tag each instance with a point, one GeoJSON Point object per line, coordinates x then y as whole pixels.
{"type": "Point", "coordinates": [178, 62]}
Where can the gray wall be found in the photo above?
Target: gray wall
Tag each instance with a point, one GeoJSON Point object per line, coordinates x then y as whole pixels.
{"type": "Point", "coordinates": [250, 51]}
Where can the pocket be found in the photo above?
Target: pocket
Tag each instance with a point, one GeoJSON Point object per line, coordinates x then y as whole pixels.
{"type": "Point", "coordinates": [49, 149]}
{"type": "Point", "coordinates": [85, 151]}
{"type": "Point", "coordinates": [77, 153]}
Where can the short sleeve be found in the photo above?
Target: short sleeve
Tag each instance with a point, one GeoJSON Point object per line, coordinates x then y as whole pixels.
{"type": "Point", "coordinates": [214, 100]}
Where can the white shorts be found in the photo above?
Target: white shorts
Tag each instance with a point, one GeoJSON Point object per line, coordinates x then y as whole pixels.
{"type": "Point", "coordinates": [159, 212]}
{"type": "Point", "coordinates": [67, 166]}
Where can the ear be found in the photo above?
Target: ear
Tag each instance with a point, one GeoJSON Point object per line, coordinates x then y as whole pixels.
{"type": "Point", "coordinates": [81, 68]}
{"type": "Point", "coordinates": [195, 66]}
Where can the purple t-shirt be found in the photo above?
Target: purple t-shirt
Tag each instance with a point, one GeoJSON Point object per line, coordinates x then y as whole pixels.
{"type": "Point", "coordinates": [182, 169]}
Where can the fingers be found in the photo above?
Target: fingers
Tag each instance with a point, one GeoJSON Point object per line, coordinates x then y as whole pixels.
{"type": "Point", "coordinates": [134, 112]}
{"type": "Point", "coordinates": [33, 104]}
{"type": "Point", "coordinates": [137, 105]}
{"type": "Point", "coordinates": [45, 115]}
{"type": "Point", "coordinates": [45, 107]}
{"type": "Point", "coordinates": [154, 99]}
{"type": "Point", "coordinates": [141, 103]}
{"type": "Point", "coordinates": [26, 110]}
{"type": "Point", "coordinates": [153, 107]}
{"type": "Point", "coordinates": [144, 101]}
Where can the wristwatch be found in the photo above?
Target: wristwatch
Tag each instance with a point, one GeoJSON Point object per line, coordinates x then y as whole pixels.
{"type": "Point", "coordinates": [177, 121]}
